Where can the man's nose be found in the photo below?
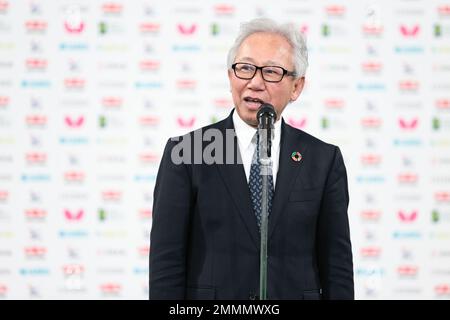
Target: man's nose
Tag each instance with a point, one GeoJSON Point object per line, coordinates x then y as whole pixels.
{"type": "Point", "coordinates": [257, 82]}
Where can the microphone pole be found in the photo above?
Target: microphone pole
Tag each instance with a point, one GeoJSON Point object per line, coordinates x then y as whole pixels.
{"type": "Point", "coordinates": [266, 117]}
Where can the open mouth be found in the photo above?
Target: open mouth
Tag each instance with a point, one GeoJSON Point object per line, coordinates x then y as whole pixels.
{"type": "Point", "coordinates": [253, 103]}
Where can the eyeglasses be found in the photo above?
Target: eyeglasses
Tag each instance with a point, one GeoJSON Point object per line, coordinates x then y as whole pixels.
{"type": "Point", "coordinates": [247, 71]}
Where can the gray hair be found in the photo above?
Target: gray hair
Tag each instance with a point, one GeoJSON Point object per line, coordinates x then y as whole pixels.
{"type": "Point", "coordinates": [287, 30]}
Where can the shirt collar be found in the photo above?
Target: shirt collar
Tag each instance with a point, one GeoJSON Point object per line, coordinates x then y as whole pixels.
{"type": "Point", "coordinates": [245, 133]}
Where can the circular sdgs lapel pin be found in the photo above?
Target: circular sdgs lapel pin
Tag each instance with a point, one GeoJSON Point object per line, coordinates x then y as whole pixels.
{"type": "Point", "coordinates": [296, 156]}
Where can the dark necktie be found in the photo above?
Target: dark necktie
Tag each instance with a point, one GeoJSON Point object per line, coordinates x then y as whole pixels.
{"type": "Point", "coordinates": [255, 184]}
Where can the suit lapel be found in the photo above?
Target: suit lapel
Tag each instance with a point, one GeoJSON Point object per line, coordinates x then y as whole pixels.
{"type": "Point", "coordinates": [287, 173]}
{"type": "Point", "coordinates": [234, 178]}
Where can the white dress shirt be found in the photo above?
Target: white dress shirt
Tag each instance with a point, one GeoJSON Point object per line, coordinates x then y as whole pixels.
{"type": "Point", "coordinates": [247, 147]}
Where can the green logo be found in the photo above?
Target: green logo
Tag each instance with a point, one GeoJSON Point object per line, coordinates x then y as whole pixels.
{"type": "Point", "coordinates": [437, 30]}
{"type": "Point", "coordinates": [326, 30]}
{"type": "Point", "coordinates": [436, 123]}
{"type": "Point", "coordinates": [435, 216]}
{"type": "Point", "coordinates": [102, 214]}
{"type": "Point", "coordinates": [102, 121]}
{"type": "Point", "coordinates": [214, 29]}
{"type": "Point", "coordinates": [102, 28]}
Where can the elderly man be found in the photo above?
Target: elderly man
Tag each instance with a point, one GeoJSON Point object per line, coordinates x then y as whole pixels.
{"type": "Point", "coordinates": [205, 238]}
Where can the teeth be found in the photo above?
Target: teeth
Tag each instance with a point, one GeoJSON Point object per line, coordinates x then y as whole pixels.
{"type": "Point", "coordinates": [253, 100]}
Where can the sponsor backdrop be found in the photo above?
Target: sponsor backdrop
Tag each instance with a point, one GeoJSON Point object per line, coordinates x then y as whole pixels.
{"type": "Point", "coordinates": [90, 91]}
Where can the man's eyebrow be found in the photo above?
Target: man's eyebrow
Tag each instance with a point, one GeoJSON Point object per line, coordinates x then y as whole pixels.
{"type": "Point", "coordinates": [267, 63]}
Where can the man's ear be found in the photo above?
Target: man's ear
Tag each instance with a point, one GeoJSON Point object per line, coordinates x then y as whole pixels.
{"type": "Point", "coordinates": [229, 78]}
{"type": "Point", "coordinates": [299, 83]}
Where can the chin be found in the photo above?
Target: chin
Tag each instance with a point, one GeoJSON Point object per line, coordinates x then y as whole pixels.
{"type": "Point", "coordinates": [252, 121]}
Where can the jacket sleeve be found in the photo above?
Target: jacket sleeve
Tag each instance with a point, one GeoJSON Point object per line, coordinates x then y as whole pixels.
{"type": "Point", "coordinates": [172, 202]}
{"type": "Point", "coordinates": [334, 251]}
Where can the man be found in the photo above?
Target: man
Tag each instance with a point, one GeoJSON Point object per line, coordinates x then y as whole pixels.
{"type": "Point", "coordinates": [205, 236]}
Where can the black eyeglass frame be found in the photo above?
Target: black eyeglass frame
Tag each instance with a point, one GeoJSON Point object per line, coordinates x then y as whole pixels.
{"type": "Point", "coordinates": [285, 72]}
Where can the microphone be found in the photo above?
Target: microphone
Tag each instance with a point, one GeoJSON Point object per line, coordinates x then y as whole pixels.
{"type": "Point", "coordinates": [266, 117]}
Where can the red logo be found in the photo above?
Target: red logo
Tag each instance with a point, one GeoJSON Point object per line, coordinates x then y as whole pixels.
{"type": "Point", "coordinates": [442, 289]}
{"type": "Point", "coordinates": [372, 30]}
{"type": "Point", "coordinates": [407, 216]}
{"type": "Point", "coordinates": [409, 31]}
{"type": "Point", "coordinates": [408, 85]}
{"type": "Point", "coordinates": [370, 159]}
{"type": "Point", "coordinates": [144, 251]}
{"type": "Point", "coordinates": [408, 125]}
{"type": "Point", "coordinates": [187, 30]}
{"type": "Point", "coordinates": [36, 158]}
{"type": "Point", "coordinates": [4, 195]}
{"type": "Point", "coordinates": [36, 120]}
{"type": "Point", "coordinates": [35, 214]}
{"type": "Point", "coordinates": [149, 158]}
{"type": "Point", "coordinates": [74, 28]}
{"type": "Point", "coordinates": [112, 8]}
{"type": "Point", "coordinates": [35, 25]}
{"type": "Point", "coordinates": [36, 64]}
{"type": "Point", "coordinates": [149, 121]}
{"type": "Point", "coordinates": [148, 27]}
{"type": "Point", "coordinates": [334, 103]}
{"type": "Point", "coordinates": [4, 6]}
{"type": "Point", "coordinates": [73, 216]}
{"type": "Point", "coordinates": [4, 101]}
{"type": "Point", "coordinates": [224, 9]}
{"type": "Point", "coordinates": [149, 65]}
{"type": "Point", "coordinates": [186, 123]}
{"type": "Point", "coordinates": [186, 84]}
{"type": "Point", "coordinates": [304, 29]}
{"type": "Point", "coordinates": [407, 178]}
{"type": "Point", "coordinates": [74, 83]}
{"type": "Point", "coordinates": [408, 270]}
{"type": "Point", "coordinates": [442, 196]}
{"type": "Point", "coordinates": [110, 288]}
{"type": "Point", "coordinates": [37, 252]}
{"type": "Point", "coordinates": [372, 67]}
{"type": "Point", "coordinates": [74, 123]}
{"type": "Point", "coordinates": [444, 10]}
{"type": "Point", "coordinates": [335, 10]}
{"type": "Point", "coordinates": [111, 195]}
{"type": "Point", "coordinates": [222, 102]}
{"type": "Point", "coordinates": [73, 176]}
{"type": "Point", "coordinates": [371, 122]}
{"type": "Point", "coordinates": [3, 289]}
{"type": "Point", "coordinates": [371, 252]}
{"type": "Point", "coordinates": [370, 215]}
{"type": "Point", "coordinates": [443, 104]}
{"type": "Point", "coordinates": [297, 123]}
{"type": "Point", "coordinates": [145, 213]}
{"type": "Point", "coordinates": [112, 102]}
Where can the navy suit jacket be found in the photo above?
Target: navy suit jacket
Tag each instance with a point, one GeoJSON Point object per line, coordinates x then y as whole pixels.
{"type": "Point", "coordinates": [205, 239]}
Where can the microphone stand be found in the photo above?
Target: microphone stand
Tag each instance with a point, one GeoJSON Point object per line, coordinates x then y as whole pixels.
{"type": "Point", "coordinates": [265, 141]}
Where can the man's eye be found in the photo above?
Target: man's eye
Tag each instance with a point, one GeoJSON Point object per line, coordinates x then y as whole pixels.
{"type": "Point", "coordinates": [247, 68]}
{"type": "Point", "coordinates": [271, 71]}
